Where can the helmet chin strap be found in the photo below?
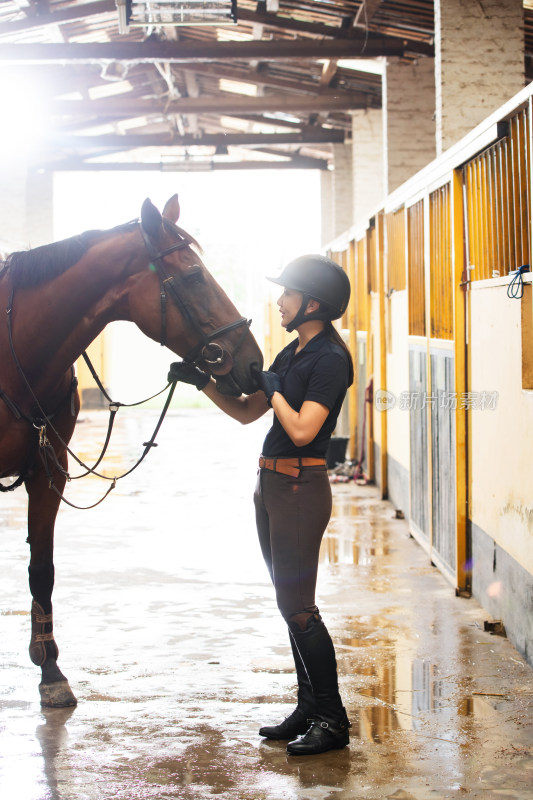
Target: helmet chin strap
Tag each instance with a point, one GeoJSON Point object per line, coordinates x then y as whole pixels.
{"type": "Point", "coordinates": [300, 317]}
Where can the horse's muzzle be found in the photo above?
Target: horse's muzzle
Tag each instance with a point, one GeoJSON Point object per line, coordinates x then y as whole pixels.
{"type": "Point", "coordinates": [228, 386]}
{"type": "Point", "coordinates": [238, 371]}
{"type": "Point", "coordinates": [215, 359]}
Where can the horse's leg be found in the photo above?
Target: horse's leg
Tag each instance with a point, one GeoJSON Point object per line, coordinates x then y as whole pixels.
{"type": "Point", "coordinates": [43, 506]}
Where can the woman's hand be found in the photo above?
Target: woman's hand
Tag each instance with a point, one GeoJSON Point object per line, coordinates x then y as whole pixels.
{"type": "Point", "coordinates": [269, 382]}
{"type": "Point", "coordinates": [301, 426]}
{"type": "Point", "coordinates": [188, 373]}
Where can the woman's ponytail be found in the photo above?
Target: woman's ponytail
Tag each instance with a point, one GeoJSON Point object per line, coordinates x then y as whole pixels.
{"type": "Point", "coordinates": [334, 336]}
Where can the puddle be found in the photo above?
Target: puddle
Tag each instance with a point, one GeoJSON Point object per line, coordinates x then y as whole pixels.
{"type": "Point", "coordinates": [397, 690]}
{"type": "Point", "coordinates": [183, 653]}
{"type": "Point", "coordinates": [482, 706]}
{"type": "Point", "coordinates": [375, 724]}
{"type": "Point", "coordinates": [353, 537]}
{"type": "Point", "coordinates": [15, 613]}
{"type": "Point", "coordinates": [336, 549]}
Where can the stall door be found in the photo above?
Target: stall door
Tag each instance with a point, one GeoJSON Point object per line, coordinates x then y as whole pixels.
{"type": "Point", "coordinates": [418, 432]}
{"type": "Point", "coordinates": [443, 404]}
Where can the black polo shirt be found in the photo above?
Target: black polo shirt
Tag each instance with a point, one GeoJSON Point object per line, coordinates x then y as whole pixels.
{"type": "Point", "coordinates": [319, 372]}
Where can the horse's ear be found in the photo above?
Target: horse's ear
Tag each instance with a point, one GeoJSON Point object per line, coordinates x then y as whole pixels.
{"type": "Point", "coordinates": [151, 218]}
{"type": "Point", "coordinates": [171, 210]}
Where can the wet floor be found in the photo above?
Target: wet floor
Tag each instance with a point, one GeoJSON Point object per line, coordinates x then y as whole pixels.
{"type": "Point", "coordinates": [169, 636]}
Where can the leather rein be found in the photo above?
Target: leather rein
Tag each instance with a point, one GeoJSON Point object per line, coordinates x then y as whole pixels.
{"type": "Point", "coordinates": [207, 351]}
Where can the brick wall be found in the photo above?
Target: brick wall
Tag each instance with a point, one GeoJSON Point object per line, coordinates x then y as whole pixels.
{"type": "Point", "coordinates": [479, 49]}
{"type": "Point", "coordinates": [367, 161]}
{"type": "Point", "coordinates": [326, 204]}
{"type": "Point", "coordinates": [342, 188]}
{"type": "Point", "coordinates": [408, 118]}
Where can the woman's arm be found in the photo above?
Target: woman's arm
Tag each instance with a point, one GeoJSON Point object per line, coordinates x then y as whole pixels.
{"type": "Point", "coordinates": [243, 409]}
{"type": "Point", "coordinates": [301, 426]}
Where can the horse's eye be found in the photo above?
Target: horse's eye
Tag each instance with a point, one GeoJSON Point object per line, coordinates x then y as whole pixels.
{"type": "Point", "coordinates": [194, 276]}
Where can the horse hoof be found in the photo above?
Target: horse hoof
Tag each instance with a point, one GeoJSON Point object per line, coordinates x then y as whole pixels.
{"type": "Point", "coordinates": [57, 695]}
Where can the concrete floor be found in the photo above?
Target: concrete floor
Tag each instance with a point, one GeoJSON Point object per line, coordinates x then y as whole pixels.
{"type": "Point", "coordinates": [170, 638]}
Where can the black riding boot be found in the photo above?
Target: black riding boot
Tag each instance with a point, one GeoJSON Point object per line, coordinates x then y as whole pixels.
{"type": "Point", "coordinates": [300, 719]}
{"type": "Point", "coordinates": [329, 727]}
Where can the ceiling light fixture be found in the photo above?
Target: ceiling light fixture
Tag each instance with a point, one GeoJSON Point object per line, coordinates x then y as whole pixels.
{"type": "Point", "coordinates": [173, 13]}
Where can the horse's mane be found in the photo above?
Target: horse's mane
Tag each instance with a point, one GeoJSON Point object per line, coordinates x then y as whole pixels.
{"type": "Point", "coordinates": [42, 264]}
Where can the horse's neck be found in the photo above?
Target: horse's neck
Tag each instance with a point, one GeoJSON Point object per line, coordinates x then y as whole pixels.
{"type": "Point", "coordinates": [65, 315]}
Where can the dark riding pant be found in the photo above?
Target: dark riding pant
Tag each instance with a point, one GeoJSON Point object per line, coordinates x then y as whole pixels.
{"type": "Point", "coordinates": [292, 515]}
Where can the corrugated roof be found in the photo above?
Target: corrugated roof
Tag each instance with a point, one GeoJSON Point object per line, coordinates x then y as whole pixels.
{"type": "Point", "coordinates": [281, 70]}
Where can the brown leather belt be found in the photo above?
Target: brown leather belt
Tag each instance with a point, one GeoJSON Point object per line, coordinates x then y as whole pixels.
{"type": "Point", "coordinates": [290, 466]}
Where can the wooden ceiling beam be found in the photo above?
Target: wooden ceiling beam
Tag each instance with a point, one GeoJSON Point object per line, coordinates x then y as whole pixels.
{"type": "Point", "coordinates": [227, 104]}
{"type": "Point", "coordinates": [262, 77]}
{"type": "Point", "coordinates": [262, 120]}
{"type": "Point", "coordinates": [187, 51]}
{"type": "Point", "coordinates": [206, 122]}
{"type": "Point", "coordinates": [77, 165]}
{"type": "Point", "coordinates": [308, 135]}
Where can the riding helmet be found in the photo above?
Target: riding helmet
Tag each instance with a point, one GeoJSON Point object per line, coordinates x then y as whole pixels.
{"type": "Point", "coordinates": [321, 279]}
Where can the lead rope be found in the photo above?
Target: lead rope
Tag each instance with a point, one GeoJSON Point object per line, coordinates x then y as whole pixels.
{"type": "Point", "coordinates": [114, 407]}
{"type": "Point", "coordinates": [47, 452]}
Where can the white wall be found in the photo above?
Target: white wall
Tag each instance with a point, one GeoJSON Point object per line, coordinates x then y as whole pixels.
{"type": "Point", "coordinates": [502, 439]}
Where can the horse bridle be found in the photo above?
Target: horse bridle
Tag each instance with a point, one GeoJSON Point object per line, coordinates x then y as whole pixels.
{"type": "Point", "coordinates": [208, 350]}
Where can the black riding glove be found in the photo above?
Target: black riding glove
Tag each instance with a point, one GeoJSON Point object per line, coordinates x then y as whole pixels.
{"type": "Point", "coordinates": [188, 373]}
{"type": "Point", "coordinates": [269, 382]}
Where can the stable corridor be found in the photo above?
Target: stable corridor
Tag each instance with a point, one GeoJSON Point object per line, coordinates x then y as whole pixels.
{"type": "Point", "coordinates": [170, 638]}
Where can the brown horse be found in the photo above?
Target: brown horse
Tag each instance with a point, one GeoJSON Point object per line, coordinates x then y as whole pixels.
{"type": "Point", "coordinates": [58, 299]}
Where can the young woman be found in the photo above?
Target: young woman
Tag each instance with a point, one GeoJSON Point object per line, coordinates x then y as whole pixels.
{"type": "Point", "coordinates": [305, 386]}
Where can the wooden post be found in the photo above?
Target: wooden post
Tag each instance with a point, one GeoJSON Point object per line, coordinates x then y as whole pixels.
{"type": "Point", "coordinates": [462, 445]}
{"type": "Point", "coordinates": [380, 267]}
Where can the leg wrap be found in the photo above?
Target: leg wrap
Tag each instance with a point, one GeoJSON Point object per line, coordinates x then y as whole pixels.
{"type": "Point", "coordinates": [42, 631]}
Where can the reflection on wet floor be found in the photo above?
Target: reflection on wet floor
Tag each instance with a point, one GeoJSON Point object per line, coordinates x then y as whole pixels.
{"type": "Point", "coordinates": [170, 638]}
{"type": "Point", "coordinates": [354, 536]}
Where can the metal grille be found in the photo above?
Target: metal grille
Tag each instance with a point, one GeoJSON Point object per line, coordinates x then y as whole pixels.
{"type": "Point", "coordinates": [341, 258]}
{"type": "Point", "coordinates": [498, 203]}
{"type": "Point", "coordinates": [395, 226]}
{"type": "Point", "coordinates": [351, 311]}
{"type": "Point", "coordinates": [415, 266]}
{"type": "Point", "coordinates": [371, 259]}
{"type": "Point", "coordinates": [361, 286]}
{"type": "Point", "coordinates": [441, 276]}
